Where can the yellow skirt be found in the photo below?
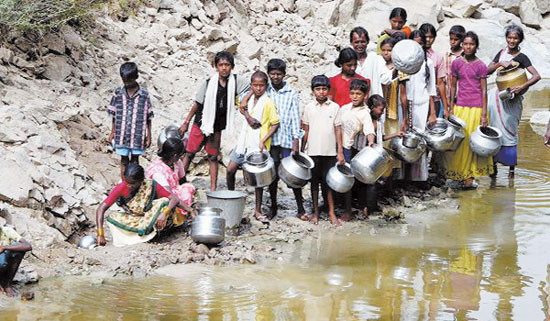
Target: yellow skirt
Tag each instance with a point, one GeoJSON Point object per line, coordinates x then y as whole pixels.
{"type": "Point", "coordinates": [463, 163]}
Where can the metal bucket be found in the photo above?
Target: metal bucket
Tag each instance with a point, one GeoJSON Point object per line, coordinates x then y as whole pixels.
{"type": "Point", "coordinates": [230, 202]}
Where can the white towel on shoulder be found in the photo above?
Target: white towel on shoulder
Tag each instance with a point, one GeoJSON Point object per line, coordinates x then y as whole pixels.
{"type": "Point", "coordinates": [209, 108]}
{"type": "Point", "coordinates": [249, 138]}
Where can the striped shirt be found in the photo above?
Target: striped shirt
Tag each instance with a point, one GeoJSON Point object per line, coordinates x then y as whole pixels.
{"type": "Point", "coordinates": [288, 109]}
{"type": "Point", "coordinates": [131, 115]}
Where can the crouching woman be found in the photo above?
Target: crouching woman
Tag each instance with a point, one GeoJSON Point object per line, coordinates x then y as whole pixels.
{"type": "Point", "coordinates": [147, 208]}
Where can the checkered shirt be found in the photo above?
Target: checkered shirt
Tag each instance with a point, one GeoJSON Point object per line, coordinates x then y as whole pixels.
{"type": "Point", "coordinates": [288, 108]}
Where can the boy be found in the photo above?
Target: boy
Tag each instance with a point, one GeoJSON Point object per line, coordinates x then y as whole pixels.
{"type": "Point", "coordinates": [356, 119]}
{"type": "Point", "coordinates": [214, 111]}
{"type": "Point", "coordinates": [132, 112]}
{"type": "Point", "coordinates": [373, 66]}
{"type": "Point", "coordinates": [439, 64]}
{"type": "Point", "coordinates": [286, 139]}
{"type": "Point", "coordinates": [262, 122]}
{"type": "Point", "coordinates": [322, 141]}
{"type": "Point", "coordinates": [456, 36]}
{"type": "Point", "coordinates": [12, 251]}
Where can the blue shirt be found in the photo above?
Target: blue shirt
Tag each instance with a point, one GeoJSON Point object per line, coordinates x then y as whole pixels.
{"type": "Point", "coordinates": [288, 109]}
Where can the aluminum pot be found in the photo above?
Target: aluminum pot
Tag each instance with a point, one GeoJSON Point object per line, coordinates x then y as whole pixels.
{"type": "Point", "coordinates": [370, 163]}
{"type": "Point", "coordinates": [458, 125]}
{"type": "Point", "coordinates": [295, 170]}
{"type": "Point", "coordinates": [208, 226]}
{"type": "Point", "coordinates": [439, 136]}
{"type": "Point", "coordinates": [230, 202]}
{"type": "Point", "coordinates": [259, 169]}
{"type": "Point", "coordinates": [411, 140]}
{"type": "Point", "coordinates": [170, 131]}
{"type": "Point", "coordinates": [485, 141]}
{"type": "Point", "coordinates": [340, 178]}
{"type": "Point", "coordinates": [406, 154]}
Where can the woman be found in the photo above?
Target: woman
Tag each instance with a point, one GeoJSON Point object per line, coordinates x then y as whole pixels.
{"type": "Point", "coordinates": [506, 114]}
{"type": "Point", "coordinates": [421, 90]}
{"type": "Point", "coordinates": [469, 75]}
{"type": "Point", "coordinates": [169, 172]}
{"type": "Point", "coordinates": [146, 208]}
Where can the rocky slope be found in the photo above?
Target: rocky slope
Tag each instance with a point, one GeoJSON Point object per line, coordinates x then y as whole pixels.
{"type": "Point", "coordinates": [55, 163]}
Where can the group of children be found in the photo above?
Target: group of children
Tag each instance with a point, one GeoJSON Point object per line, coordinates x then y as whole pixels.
{"type": "Point", "coordinates": [366, 104]}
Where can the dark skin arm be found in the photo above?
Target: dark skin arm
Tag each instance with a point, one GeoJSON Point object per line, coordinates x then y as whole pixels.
{"type": "Point", "coordinates": [390, 136]}
{"type": "Point", "coordinates": [112, 134]}
{"type": "Point", "coordinates": [185, 125]}
{"type": "Point", "coordinates": [340, 153]}
{"type": "Point", "coordinates": [433, 116]}
{"type": "Point", "coordinates": [270, 133]}
{"type": "Point", "coordinates": [306, 134]}
{"type": "Point", "coordinates": [453, 94]}
{"type": "Point", "coordinates": [21, 246]}
{"type": "Point", "coordinates": [442, 94]}
{"type": "Point", "coordinates": [370, 140]}
{"type": "Point", "coordinates": [484, 121]}
{"type": "Point", "coordinates": [243, 108]}
{"type": "Point", "coordinates": [148, 137]}
{"type": "Point", "coordinates": [99, 216]}
{"type": "Point", "coordinates": [404, 105]}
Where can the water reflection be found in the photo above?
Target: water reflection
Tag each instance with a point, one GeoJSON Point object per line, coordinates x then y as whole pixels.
{"type": "Point", "coordinates": [489, 261]}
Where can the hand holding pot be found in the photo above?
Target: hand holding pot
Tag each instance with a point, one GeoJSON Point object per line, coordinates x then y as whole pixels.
{"type": "Point", "coordinates": [484, 122]}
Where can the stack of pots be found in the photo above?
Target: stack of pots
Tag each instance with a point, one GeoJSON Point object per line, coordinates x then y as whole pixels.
{"type": "Point", "coordinates": [444, 135]}
{"type": "Point", "coordinates": [295, 170]}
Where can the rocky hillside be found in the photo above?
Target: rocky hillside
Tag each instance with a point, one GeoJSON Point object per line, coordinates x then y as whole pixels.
{"type": "Point", "coordinates": [55, 163]}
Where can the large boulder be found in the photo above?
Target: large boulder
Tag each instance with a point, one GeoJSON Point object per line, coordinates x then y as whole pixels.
{"type": "Point", "coordinates": [511, 6]}
{"type": "Point", "coordinates": [57, 68]}
{"type": "Point", "coordinates": [464, 8]}
{"type": "Point", "coordinates": [16, 183]}
{"type": "Point", "coordinates": [530, 14]}
{"type": "Point", "coordinates": [543, 5]}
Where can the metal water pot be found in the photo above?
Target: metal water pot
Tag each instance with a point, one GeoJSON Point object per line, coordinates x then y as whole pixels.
{"type": "Point", "coordinates": [404, 153]}
{"type": "Point", "coordinates": [230, 202]}
{"type": "Point", "coordinates": [170, 131]}
{"type": "Point", "coordinates": [458, 125]}
{"type": "Point", "coordinates": [485, 141]}
{"type": "Point", "coordinates": [370, 163]}
{"type": "Point", "coordinates": [340, 178]}
{"type": "Point", "coordinates": [259, 169]}
{"type": "Point", "coordinates": [510, 77]}
{"type": "Point", "coordinates": [439, 137]}
{"type": "Point", "coordinates": [295, 170]}
{"type": "Point", "coordinates": [208, 227]}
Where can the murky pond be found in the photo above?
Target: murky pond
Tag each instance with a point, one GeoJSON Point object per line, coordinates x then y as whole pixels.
{"type": "Point", "coordinates": [489, 261]}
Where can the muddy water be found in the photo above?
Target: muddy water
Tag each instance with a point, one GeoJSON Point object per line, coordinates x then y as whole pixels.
{"type": "Point", "coordinates": [489, 260]}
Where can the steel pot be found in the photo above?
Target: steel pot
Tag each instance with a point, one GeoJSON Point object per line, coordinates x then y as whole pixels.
{"type": "Point", "coordinates": [259, 169]}
{"type": "Point", "coordinates": [485, 141]}
{"type": "Point", "coordinates": [170, 131]}
{"type": "Point", "coordinates": [411, 140]}
{"type": "Point", "coordinates": [510, 77]}
{"type": "Point", "coordinates": [208, 226]}
{"type": "Point", "coordinates": [458, 125]}
{"type": "Point", "coordinates": [295, 170]}
{"type": "Point", "coordinates": [87, 242]}
{"type": "Point", "coordinates": [439, 136]}
{"type": "Point", "coordinates": [370, 163]}
{"type": "Point", "coordinates": [230, 202]}
{"type": "Point", "coordinates": [340, 178]}
{"type": "Point", "coordinates": [406, 154]}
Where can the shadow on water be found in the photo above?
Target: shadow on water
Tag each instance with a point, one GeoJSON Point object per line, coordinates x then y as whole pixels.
{"type": "Point", "coordinates": [487, 261]}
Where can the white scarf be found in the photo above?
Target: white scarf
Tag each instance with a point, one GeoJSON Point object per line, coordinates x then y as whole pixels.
{"type": "Point", "coordinates": [209, 108]}
{"type": "Point", "coordinates": [249, 138]}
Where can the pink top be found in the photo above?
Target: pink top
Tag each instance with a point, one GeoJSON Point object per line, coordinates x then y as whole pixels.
{"type": "Point", "coordinates": [166, 176]}
{"type": "Point", "coordinates": [122, 190]}
{"type": "Point", "coordinates": [439, 62]}
{"type": "Point", "coordinates": [469, 75]}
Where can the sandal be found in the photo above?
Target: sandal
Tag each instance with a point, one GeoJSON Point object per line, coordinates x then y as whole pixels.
{"type": "Point", "coordinates": [262, 218]}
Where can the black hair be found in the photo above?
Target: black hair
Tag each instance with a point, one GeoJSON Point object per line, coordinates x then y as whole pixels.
{"type": "Point", "coordinates": [515, 29]}
{"type": "Point", "coordinates": [458, 31]}
{"type": "Point", "coordinates": [129, 71]}
{"type": "Point", "coordinates": [398, 36]}
{"type": "Point", "coordinates": [259, 74]}
{"type": "Point", "coordinates": [359, 31]}
{"type": "Point", "coordinates": [422, 35]}
{"type": "Point", "coordinates": [387, 41]}
{"type": "Point", "coordinates": [360, 84]}
{"type": "Point", "coordinates": [171, 147]}
{"type": "Point", "coordinates": [276, 64]}
{"type": "Point", "coordinates": [224, 55]}
{"type": "Point", "coordinates": [320, 80]}
{"type": "Point", "coordinates": [398, 12]}
{"type": "Point", "coordinates": [428, 28]}
{"type": "Point", "coordinates": [473, 35]}
{"type": "Point", "coordinates": [346, 55]}
{"type": "Point", "coordinates": [375, 100]}
{"type": "Point", "coordinates": [134, 171]}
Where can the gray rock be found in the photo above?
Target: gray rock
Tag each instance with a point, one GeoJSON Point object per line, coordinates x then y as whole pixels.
{"type": "Point", "coordinates": [530, 14]}
{"type": "Point", "coordinates": [249, 47]}
{"type": "Point", "coordinates": [511, 6]}
{"type": "Point", "coordinates": [303, 8]}
{"type": "Point", "coordinates": [543, 5]}
{"type": "Point", "coordinates": [16, 183]}
{"type": "Point", "coordinates": [465, 8]}
{"type": "Point", "coordinates": [54, 43]}
{"type": "Point", "coordinates": [57, 68]}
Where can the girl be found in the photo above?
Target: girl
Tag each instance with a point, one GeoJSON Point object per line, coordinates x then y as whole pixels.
{"type": "Point", "coordinates": [506, 114]}
{"type": "Point", "coordinates": [421, 90]}
{"type": "Point", "coordinates": [469, 76]}
{"type": "Point", "coordinates": [398, 18]}
{"type": "Point", "coordinates": [339, 90]}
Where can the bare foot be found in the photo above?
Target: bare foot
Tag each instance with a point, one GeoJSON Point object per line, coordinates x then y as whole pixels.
{"type": "Point", "coordinates": [260, 217]}
{"type": "Point", "coordinates": [2, 290]}
{"type": "Point", "coordinates": [511, 174]}
{"type": "Point", "coordinates": [314, 219]}
{"type": "Point", "coordinates": [303, 216]}
{"type": "Point", "coordinates": [346, 217]}
{"type": "Point", "coordinates": [10, 291]}
{"type": "Point", "coordinates": [335, 221]}
{"type": "Point", "coordinates": [273, 212]}
{"type": "Point", "coordinates": [365, 213]}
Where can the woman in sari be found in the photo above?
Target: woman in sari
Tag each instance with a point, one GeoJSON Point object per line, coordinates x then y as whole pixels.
{"type": "Point", "coordinates": [147, 208]}
{"type": "Point", "coordinates": [170, 173]}
{"type": "Point", "coordinates": [505, 114]}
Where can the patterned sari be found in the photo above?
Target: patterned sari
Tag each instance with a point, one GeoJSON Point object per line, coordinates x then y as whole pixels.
{"type": "Point", "coordinates": [139, 225]}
